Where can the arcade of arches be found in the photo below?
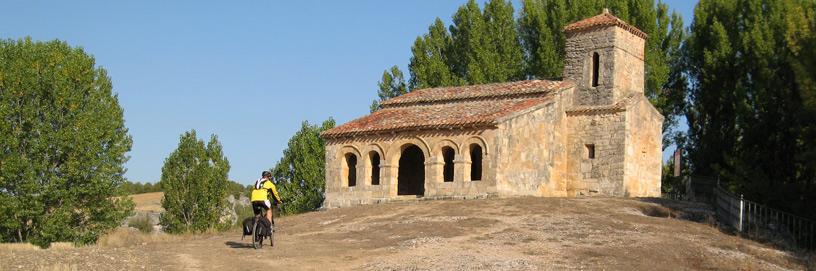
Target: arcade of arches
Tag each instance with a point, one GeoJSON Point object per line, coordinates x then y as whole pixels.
{"type": "Point", "coordinates": [411, 165]}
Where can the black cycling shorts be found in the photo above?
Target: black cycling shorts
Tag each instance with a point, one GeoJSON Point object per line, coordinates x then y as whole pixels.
{"type": "Point", "coordinates": [259, 207]}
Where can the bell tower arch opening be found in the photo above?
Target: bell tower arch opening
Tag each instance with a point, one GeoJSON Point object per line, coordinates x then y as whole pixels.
{"type": "Point", "coordinates": [411, 171]}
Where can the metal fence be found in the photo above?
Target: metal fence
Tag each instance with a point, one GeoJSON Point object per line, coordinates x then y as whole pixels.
{"type": "Point", "coordinates": [751, 219]}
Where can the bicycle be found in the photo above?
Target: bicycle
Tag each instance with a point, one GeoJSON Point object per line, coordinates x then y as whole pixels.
{"type": "Point", "coordinates": [257, 229]}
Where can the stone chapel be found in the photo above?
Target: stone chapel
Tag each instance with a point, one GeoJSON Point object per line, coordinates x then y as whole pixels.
{"type": "Point", "coordinates": [593, 133]}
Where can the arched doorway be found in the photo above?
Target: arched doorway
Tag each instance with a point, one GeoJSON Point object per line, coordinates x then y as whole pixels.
{"type": "Point", "coordinates": [411, 172]}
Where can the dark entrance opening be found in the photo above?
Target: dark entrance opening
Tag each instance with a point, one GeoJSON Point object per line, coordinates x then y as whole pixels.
{"type": "Point", "coordinates": [375, 168]}
{"type": "Point", "coordinates": [447, 171]}
{"type": "Point", "coordinates": [476, 162]}
{"type": "Point", "coordinates": [411, 172]}
{"type": "Point", "coordinates": [351, 161]}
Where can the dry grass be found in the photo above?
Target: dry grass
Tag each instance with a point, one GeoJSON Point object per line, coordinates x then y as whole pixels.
{"type": "Point", "coordinates": [126, 237]}
{"type": "Point", "coordinates": [148, 202]}
{"type": "Point", "coordinates": [27, 246]}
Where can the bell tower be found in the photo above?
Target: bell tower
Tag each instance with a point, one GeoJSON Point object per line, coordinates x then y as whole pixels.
{"type": "Point", "coordinates": [605, 58]}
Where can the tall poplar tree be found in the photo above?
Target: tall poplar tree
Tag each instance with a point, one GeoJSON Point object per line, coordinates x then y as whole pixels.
{"type": "Point", "coordinates": [63, 145]}
{"type": "Point", "coordinates": [301, 174]}
{"type": "Point", "coordinates": [541, 53]}
{"type": "Point", "coordinates": [749, 120]}
{"type": "Point", "coordinates": [391, 85]}
{"type": "Point", "coordinates": [505, 58]}
{"type": "Point", "coordinates": [431, 64]}
{"type": "Point", "coordinates": [194, 180]}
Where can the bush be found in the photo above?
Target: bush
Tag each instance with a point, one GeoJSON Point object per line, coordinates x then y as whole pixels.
{"type": "Point", "coordinates": [194, 178]}
{"type": "Point", "coordinates": [142, 223]}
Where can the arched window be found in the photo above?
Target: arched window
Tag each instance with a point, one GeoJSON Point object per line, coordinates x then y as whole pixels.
{"type": "Point", "coordinates": [447, 155]}
{"type": "Point", "coordinates": [351, 163]}
{"type": "Point", "coordinates": [595, 63]}
{"type": "Point", "coordinates": [375, 167]}
{"type": "Point", "coordinates": [476, 162]}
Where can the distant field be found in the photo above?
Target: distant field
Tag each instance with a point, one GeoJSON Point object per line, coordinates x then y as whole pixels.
{"type": "Point", "coordinates": [148, 202]}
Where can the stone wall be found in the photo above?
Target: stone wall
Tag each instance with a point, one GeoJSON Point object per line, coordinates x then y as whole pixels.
{"type": "Point", "coordinates": [530, 151]}
{"type": "Point", "coordinates": [603, 174]}
{"type": "Point", "coordinates": [629, 76]}
{"type": "Point", "coordinates": [644, 149]}
{"type": "Point", "coordinates": [578, 65]}
{"type": "Point", "coordinates": [389, 147]}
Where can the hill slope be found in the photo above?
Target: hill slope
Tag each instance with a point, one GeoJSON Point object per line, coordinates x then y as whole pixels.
{"type": "Point", "coordinates": [493, 234]}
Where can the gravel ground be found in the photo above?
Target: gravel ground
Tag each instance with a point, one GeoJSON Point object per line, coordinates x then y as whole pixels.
{"type": "Point", "coordinates": [490, 234]}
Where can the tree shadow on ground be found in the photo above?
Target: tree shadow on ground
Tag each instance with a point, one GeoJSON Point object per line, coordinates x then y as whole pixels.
{"type": "Point", "coordinates": [232, 244]}
{"type": "Point", "coordinates": [686, 210]}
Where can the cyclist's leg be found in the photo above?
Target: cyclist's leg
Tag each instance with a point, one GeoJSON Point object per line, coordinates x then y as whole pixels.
{"type": "Point", "coordinates": [268, 211]}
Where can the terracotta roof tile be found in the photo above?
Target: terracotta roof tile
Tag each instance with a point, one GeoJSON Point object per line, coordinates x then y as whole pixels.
{"type": "Point", "coordinates": [620, 106]}
{"type": "Point", "coordinates": [477, 92]}
{"type": "Point", "coordinates": [452, 107]}
{"type": "Point", "coordinates": [603, 20]}
{"type": "Point", "coordinates": [483, 113]}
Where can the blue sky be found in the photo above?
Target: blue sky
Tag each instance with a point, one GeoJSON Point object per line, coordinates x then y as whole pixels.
{"type": "Point", "coordinates": [249, 72]}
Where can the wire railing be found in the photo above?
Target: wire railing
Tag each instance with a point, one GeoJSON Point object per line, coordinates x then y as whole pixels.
{"type": "Point", "coordinates": [750, 219]}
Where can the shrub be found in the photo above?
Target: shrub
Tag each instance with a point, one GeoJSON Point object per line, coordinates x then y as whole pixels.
{"type": "Point", "coordinates": [142, 223]}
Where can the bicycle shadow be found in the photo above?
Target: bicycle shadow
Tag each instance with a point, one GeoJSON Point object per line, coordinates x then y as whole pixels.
{"type": "Point", "coordinates": [232, 244]}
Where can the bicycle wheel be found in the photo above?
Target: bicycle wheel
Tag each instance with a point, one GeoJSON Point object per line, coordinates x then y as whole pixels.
{"type": "Point", "coordinates": [257, 238]}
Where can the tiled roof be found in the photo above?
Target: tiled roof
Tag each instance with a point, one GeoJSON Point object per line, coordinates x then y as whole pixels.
{"type": "Point", "coordinates": [438, 116]}
{"type": "Point", "coordinates": [603, 20]}
{"type": "Point", "coordinates": [620, 106]}
{"type": "Point", "coordinates": [476, 92]}
{"type": "Point", "coordinates": [451, 108]}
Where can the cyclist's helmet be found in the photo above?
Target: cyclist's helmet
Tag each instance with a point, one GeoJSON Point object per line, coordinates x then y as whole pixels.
{"type": "Point", "coordinates": [266, 174]}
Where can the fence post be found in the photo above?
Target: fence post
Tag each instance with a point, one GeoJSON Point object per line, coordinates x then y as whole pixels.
{"type": "Point", "coordinates": [742, 207]}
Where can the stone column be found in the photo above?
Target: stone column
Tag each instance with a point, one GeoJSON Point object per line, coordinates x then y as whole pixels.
{"type": "Point", "coordinates": [388, 178]}
{"type": "Point", "coordinates": [461, 168]}
{"type": "Point", "coordinates": [433, 175]}
{"type": "Point", "coordinates": [364, 176]}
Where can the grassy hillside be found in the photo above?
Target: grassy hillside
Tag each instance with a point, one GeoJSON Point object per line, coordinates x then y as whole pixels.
{"type": "Point", "coordinates": [493, 234]}
{"type": "Point", "coordinates": [148, 202]}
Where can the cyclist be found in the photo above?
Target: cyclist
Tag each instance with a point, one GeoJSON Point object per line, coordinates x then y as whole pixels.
{"type": "Point", "coordinates": [260, 195]}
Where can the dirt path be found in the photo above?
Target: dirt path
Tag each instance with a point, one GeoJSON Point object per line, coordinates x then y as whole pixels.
{"type": "Point", "coordinates": [495, 234]}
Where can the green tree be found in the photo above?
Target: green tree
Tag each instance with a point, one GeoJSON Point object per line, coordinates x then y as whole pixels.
{"type": "Point", "coordinates": [391, 85]}
{"type": "Point", "coordinates": [63, 142]}
{"type": "Point", "coordinates": [541, 54]}
{"type": "Point", "coordinates": [300, 174]}
{"type": "Point", "coordinates": [431, 64]}
{"type": "Point", "coordinates": [506, 59]}
{"type": "Point", "coordinates": [485, 46]}
{"type": "Point", "coordinates": [194, 178]}
{"type": "Point", "coordinates": [751, 67]}
{"type": "Point", "coordinates": [471, 46]}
